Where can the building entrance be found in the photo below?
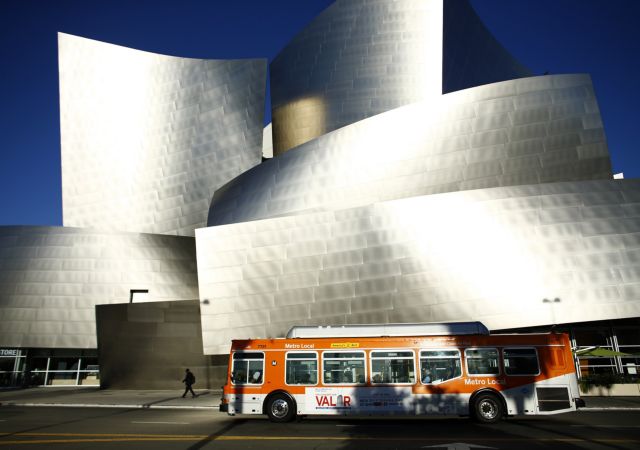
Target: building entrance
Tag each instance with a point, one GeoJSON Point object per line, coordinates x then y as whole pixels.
{"type": "Point", "coordinates": [12, 363]}
{"type": "Point", "coordinates": [48, 367]}
{"type": "Point", "coordinates": [63, 367]}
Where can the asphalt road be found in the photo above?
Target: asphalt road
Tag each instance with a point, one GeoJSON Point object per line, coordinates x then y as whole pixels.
{"type": "Point", "coordinates": [128, 429]}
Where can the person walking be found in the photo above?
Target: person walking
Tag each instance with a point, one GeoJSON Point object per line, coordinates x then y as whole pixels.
{"type": "Point", "coordinates": [189, 380]}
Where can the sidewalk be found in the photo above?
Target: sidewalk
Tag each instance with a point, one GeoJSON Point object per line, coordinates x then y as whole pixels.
{"type": "Point", "coordinates": [206, 399]}
{"type": "Point", "coordinates": [109, 398]}
{"type": "Point", "coordinates": [611, 403]}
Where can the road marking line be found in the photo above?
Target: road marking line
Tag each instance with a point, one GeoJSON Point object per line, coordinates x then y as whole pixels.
{"type": "Point", "coordinates": [84, 441]}
{"type": "Point", "coordinates": [109, 435]}
{"type": "Point", "coordinates": [85, 438]}
{"type": "Point", "coordinates": [166, 423]}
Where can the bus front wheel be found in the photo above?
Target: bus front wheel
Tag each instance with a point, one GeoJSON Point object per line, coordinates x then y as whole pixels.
{"type": "Point", "coordinates": [280, 408]}
{"type": "Point", "coordinates": [487, 408]}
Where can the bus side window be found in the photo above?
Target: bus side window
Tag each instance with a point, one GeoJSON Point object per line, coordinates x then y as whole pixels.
{"type": "Point", "coordinates": [395, 367]}
{"type": "Point", "coordinates": [521, 361]}
{"type": "Point", "coordinates": [482, 361]}
{"type": "Point", "coordinates": [438, 366]}
{"type": "Point", "coordinates": [343, 367]}
{"type": "Point", "coordinates": [301, 368]}
{"type": "Point", "coordinates": [246, 366]}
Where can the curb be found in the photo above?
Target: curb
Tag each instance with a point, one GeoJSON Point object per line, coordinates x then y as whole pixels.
{"type": "Point", "coordinates": [610, 408]}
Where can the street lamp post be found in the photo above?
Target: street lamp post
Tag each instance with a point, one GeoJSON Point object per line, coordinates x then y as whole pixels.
{"type": "Point", "coordinates": [551, 302]}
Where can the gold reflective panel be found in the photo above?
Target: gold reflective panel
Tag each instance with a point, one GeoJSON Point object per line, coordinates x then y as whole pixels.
{"type": "Point", "coordinates": [297, 122]}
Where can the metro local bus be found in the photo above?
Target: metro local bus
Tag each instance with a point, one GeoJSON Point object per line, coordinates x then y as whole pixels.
{"type": "Point", "coordinates": [411, 369]}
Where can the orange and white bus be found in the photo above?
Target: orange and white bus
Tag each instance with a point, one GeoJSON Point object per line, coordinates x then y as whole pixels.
{"type": "Point", "coordinates": [411, 369]}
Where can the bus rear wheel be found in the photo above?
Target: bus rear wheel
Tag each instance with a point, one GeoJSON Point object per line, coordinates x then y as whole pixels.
{"type": "Point", "coordinates": [487, 408]}
{"type": "Point", "coordinates": [280, 408]}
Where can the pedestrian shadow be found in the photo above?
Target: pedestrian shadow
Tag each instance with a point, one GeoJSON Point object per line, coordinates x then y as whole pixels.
{"type": "Point", "coordinates": [203, 393]}
{"type": "Point", "coordinates": [163, 400]}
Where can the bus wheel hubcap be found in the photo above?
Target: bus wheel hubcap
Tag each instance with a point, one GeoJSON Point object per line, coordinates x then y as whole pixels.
{"type": "Point", "coordinates": [488, 409]}
{"type": "Point", "coordinates": [279, 408]}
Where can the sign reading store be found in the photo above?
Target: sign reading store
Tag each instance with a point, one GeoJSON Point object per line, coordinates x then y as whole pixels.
{"type": "Point", "coordinates": [8, 352]}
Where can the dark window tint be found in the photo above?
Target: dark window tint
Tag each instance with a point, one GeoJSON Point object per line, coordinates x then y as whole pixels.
{"type": "Point", "coordinates": [521, 361]}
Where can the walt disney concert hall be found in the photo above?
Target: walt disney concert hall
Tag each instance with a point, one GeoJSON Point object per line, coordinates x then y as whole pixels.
{"type": "Point", "coordinates": [414, 171]}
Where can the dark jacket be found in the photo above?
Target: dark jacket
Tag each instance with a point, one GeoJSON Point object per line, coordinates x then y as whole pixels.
{"type": "Point", "coordinates": [189, 379]}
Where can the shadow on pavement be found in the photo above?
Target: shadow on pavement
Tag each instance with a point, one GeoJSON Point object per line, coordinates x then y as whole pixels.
{"type": "Point", "coordinates": [231, 425]}
{"type": "Point", "coordinates": [461, 433]}
{"type": "Point", "coordinates": [84, 417]}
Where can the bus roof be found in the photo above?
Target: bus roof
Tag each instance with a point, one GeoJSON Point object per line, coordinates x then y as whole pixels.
{"type": "Point", "coordinates": [392, 329]}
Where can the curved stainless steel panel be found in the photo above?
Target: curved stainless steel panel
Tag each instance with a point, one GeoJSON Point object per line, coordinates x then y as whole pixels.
{"type": "Point", "coordinates": [147, 139]}
{"type": "Point", "coordinates": [530, 130]}
{"type": "Point", "coordinates": [359, 58]}
{"type": "Point", "coordinates": [491, 255]}
{"type": "Point", "coordinates": [51, 278]}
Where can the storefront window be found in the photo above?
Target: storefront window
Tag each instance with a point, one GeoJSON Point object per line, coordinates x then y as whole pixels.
{"type": "Point", "coordinates": [61, 369]}
{"type": "Point", "coordinates": [592, 337]}
{"type": "Point", "coordinates": [628, 336]}
{"type": "Point", "coordinates": [89, 372]}
{"type": "Point", "coordinates": [11, 368]}
{"type": "Point", "coordinates": [593, 366]}
{"type": "Point", "coordinates": [629, 342]}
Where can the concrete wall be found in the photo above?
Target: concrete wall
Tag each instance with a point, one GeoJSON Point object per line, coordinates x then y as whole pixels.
{"type": "Point", "coordinates": [149, 345]}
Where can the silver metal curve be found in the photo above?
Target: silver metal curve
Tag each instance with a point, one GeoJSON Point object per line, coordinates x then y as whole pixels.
{"type": "Point", "coordinates": [491, 255]}
{"type": "Point", "coordinates": [530, 130]}
{"type": "Point", "coordinates": [360, 58]}
{"type": "Point", "coordinates": [404, 193]}
{"type": "Point", "coordinates": [147, 138]}
{"type": "Point", "coordinates": [51, 279]}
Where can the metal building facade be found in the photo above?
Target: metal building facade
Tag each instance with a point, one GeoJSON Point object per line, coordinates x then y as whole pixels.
{"type": "Point", "coordinates": [147, 138]}
{"type": "Point", "coordinates": [492, 255]}
{"type": "Point", "coordinates": [529, 130]}
{"type": "Point", "coordinates": [359, 58]}
{"type": "Point", "coordinates": [488, 198]}
{"type": "Point", "coordinates": [420, 174]}
{"type": "Point", "coordinates": [53, 277]}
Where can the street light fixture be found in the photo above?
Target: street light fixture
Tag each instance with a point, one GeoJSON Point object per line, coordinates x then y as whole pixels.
{"type": "Point", "coordinates": [551, 302]}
